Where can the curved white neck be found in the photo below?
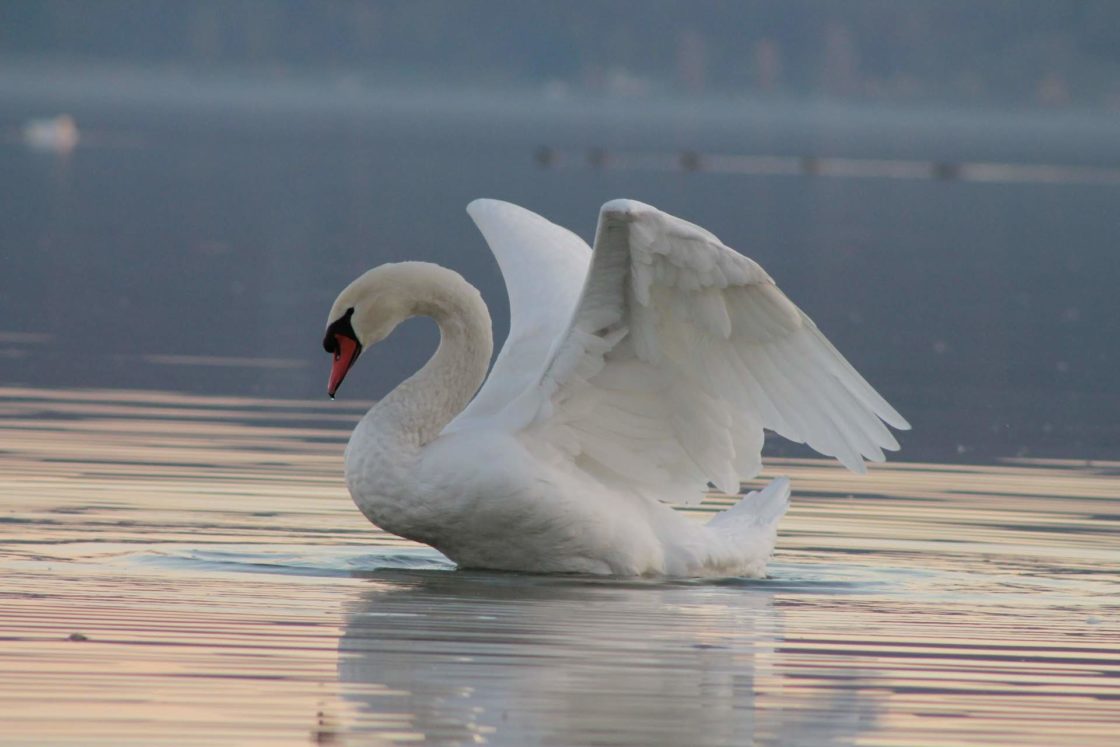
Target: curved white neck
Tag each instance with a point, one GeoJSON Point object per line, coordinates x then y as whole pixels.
{"type": "Point", "coordinates": [416, 411]}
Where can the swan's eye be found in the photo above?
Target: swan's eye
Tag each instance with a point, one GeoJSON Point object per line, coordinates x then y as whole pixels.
{"type": "Point", "coordinates": [340, 326]}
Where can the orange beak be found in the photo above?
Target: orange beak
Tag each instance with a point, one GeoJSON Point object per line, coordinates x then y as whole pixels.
{"type": "Point", "coordinates": [346, 350]}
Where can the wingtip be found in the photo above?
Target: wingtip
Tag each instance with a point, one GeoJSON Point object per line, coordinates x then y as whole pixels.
{"type": "Point", "coordinates": [482, 208]}
{"type": "Point", "coordinates": [625, 208]}
{"type": "Point", "coordinates": [893, 417]}
{"type": "Point", "coordinates": [480, 203]}
{"type": "Point", "coordinates": [860, 467]}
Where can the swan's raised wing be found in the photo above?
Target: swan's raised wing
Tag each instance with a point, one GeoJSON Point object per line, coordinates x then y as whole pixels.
{"type": "Point", "coordinates": [680, 352]}
{"type": "Point", "coordinates": [544, 267]}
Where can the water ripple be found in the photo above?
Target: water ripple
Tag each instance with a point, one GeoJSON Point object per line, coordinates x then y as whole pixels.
{"type": "Point", "coordinates": [184, 570]}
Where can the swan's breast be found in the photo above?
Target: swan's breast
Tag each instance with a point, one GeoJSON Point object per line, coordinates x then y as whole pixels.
{"type": "Point", "coordinates": [486, 501]}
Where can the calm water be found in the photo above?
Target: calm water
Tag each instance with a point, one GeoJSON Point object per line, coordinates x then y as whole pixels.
{"type": "Point", "coordinates": [195, 239]}
{"type": "Point", "coordinates": [180, 563]}
{"type": "Point", "coordinates": [225, 591]}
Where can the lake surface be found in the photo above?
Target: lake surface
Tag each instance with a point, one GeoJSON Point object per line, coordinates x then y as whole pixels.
{"type": "Point", "coordinates": [195, 239]}
{"type": "Point", "coordinates": [185, 569]}
{"type": "Point", "coordinates": [180, 563]}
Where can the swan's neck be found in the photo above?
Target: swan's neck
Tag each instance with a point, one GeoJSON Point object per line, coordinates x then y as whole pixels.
{"type": "Point", "coordinates": [416, 411]}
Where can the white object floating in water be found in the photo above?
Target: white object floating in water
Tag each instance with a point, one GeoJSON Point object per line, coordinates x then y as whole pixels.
{"type": "Point", "coordinates": [634, 375]}
{"type": "Point", "coordinates": [56, 134]}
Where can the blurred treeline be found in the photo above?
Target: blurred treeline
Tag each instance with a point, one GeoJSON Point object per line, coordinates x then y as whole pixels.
{"type": "Point", "coordinates": [1046, 52]}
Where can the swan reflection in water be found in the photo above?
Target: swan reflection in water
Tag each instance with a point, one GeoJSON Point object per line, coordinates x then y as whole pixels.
{"type": "Point", "coordinates": [457, 657]}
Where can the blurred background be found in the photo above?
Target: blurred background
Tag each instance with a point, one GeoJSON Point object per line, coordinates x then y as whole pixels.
{"type": "Point", "coordinates": [185, 187]}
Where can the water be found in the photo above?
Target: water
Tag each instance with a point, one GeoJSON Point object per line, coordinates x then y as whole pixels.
{"type": "Point", "coordinates": [196, 238]}
{"type": "Point", "coordinates": [180, 563]}
{"type": "Point", "coordinates": [225, 590]}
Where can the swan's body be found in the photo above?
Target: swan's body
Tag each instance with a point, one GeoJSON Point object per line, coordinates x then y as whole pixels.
{"type": "Point", "coordinates": [632, 376]}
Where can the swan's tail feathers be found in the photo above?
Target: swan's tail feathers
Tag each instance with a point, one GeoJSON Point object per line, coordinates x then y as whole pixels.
{"type": "Point", "coordinates": [744, 535]}
{"type": "Point", "coordinates": [758, 511]}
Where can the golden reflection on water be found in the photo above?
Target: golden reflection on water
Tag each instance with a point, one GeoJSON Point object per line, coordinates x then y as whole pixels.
{"type": "Point", "coordinates": [228, 592]}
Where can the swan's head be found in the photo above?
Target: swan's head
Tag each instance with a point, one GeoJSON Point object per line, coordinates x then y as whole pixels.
{"type": "Point", "coordinates": [367, 311]}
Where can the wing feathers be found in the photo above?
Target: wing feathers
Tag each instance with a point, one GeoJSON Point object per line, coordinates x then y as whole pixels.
{"type": "Point", "coordinates": [544, 267]}
{"type": "Point", "coordinates": [871, 398]}
{"type": "Point", "coordinates": [680, 351]}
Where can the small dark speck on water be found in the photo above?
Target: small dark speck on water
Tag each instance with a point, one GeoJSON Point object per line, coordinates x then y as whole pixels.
{"type": "Point", "coordinates": [324, 733]}
{"type": "Point", "coordinates": [77, 637]}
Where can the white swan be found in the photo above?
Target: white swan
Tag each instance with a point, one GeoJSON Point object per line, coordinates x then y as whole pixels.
{"type": "Point", "coordinates": [633, 375]}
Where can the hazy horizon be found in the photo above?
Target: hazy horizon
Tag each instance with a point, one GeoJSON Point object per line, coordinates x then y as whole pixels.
{"type": "Point", "coordinates": [1048, 54]}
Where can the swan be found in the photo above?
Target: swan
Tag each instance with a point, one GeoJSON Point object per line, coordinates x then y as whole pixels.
{"type": "Point", "coordinates": [634, 375]}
